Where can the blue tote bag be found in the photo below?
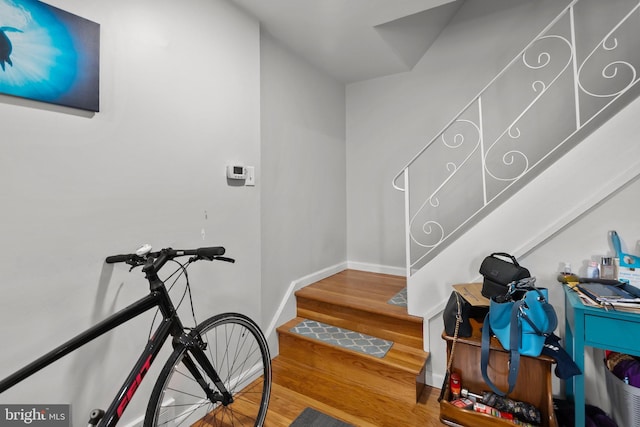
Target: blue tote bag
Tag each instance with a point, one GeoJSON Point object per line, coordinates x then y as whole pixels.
{"type": "Point", "coordinates": [521, 320]}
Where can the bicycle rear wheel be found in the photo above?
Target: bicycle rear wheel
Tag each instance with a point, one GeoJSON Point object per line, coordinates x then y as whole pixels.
{"type": "Point", "coordinates": [239, 353]}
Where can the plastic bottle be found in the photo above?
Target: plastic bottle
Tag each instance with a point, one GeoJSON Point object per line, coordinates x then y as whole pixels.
{"type": "Point", "coordinates": [566, 276]}
{"type": "Point", "coordinates": [455, 383]}
{"type": "Point", "coordinates": [593, 270]}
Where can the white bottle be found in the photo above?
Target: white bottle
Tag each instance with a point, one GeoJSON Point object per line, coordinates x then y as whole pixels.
{"type": "Point", "coordinates": [593, 270]}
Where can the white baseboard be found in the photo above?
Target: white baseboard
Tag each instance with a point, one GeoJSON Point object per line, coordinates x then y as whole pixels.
{"type": "Point", "coordinates": [322, 274]}
{"type": "Point", "coordinates": [377, 268]}
{"type": "Point", "coordinates": [140, 420]}
{"type": "Point", "coordinates": [294, 286]}
{"type": "Point", "coordinates": [434, 380]}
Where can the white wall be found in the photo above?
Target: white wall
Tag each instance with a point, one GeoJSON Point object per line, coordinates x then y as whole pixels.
{"type": "Point", "coordinates": [180, 98]}
{"type": "Point", "coordinates": [303, 195]}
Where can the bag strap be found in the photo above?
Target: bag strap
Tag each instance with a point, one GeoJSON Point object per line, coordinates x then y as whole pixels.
{"type": "Point", "coordinates": [506, 255]}
{"type": "Point", "coordinates": [445, 384]}
{"type": "Point", "coordinates": [548, 311]}
{"type": "Point", "coordinates": [551, 315]}
{"type": "Point", "coordinates": [524, 316]}
{"type": "Point", "coordinates": [514, 354]}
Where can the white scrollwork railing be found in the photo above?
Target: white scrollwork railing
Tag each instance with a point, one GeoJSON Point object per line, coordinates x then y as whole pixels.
{"type": "Point", "coordinates": [560, 82]}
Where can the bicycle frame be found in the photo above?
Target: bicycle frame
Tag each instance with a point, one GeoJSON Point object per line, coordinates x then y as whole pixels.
{"type": "Point", "coordinates": [170, 326]}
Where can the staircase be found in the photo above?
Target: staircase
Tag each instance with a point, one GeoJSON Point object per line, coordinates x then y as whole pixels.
{"type": "Point", "coordinates": [360, 381]}
{"type": "Point", "coordinates": [573, 77]}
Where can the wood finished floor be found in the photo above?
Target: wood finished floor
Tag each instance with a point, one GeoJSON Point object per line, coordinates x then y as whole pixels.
{"type": "Point", "coordinates": [358, 301]}
{"type": "Point", "coordinates": [286, 405]}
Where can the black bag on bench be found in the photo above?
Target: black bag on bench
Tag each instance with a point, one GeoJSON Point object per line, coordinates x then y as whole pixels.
{"type": "Point", "coordinates": [498, 273]}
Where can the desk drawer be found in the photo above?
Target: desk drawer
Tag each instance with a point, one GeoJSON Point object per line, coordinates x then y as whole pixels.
{"type": "Point", "coordinates": [614, 334]}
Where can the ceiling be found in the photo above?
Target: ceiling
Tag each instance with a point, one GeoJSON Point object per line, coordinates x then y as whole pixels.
{"type": "Point", "coordinates": [355, 40]}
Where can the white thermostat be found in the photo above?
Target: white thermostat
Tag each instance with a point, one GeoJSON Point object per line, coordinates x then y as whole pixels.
{"type": "Point", "coordinates": [236, 172]}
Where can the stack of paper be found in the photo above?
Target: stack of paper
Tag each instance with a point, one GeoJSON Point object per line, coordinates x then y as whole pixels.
{"type": "Point", "coordinates": [614, 296]}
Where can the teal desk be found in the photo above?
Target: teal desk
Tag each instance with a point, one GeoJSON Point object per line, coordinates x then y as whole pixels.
{"type": "Point", "coordinates": [595, 327]}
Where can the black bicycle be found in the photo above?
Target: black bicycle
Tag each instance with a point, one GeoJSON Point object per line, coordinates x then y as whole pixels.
{"type": "Point", "coordinates": [219, 373]}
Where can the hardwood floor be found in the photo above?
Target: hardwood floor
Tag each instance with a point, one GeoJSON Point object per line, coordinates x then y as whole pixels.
{"type": "Point", "coordinates": [286, 405]}
{"type": "Point", "coordinates": [361, 389]}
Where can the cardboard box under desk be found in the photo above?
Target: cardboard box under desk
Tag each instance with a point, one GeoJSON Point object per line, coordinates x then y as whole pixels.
{"type": "Point", "coordinates": [472, 292]}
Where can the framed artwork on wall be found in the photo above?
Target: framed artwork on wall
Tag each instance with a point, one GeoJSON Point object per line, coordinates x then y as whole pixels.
{"type": "Point", "coordinates": [49, 55]}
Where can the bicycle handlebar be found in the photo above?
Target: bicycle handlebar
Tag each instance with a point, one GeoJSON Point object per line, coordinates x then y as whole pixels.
{"type": "Point", "coordinates": [155, 260]}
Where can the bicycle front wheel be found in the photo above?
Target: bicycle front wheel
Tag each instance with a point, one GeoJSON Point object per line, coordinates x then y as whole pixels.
{"type": "Point", "coordinates": [238, 351]}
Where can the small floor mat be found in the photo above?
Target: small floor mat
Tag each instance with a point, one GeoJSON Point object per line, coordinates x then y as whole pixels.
{"type": "Point", "coordinates": [345, 338]}
{"type": "Point", "coordinates": [312, 418]}
{"type": "Point", "coordinates": [399, 299]}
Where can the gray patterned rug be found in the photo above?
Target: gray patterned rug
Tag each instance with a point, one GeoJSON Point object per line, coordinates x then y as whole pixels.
{"type": "Point", "coordinates": [312, 418]}
{"type": "Point", "coordinates": [399, 299]}
{"type": "Point", "coordinates": [345, 338]}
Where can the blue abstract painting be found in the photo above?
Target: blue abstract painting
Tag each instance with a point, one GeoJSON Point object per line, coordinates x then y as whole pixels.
{"type": "Point", "coordinates": [49, 55]}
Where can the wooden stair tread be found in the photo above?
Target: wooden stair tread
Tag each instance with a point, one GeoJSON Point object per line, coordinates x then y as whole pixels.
{"type": "Point", "coordinates": [364, 287]}
{"type": "Point", "coordinates": [399, 356]}
{"type": "Point", "coordinates": [360, 300]}
{"type": "Point", "coordinates": [361, 290]}
{"type": "Point", "coordinates": [383, 327]}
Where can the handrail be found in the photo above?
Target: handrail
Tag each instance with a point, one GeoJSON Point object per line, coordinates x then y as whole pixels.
{"type": "Point", "coordinates": [487, 86]}
{"type": "Point", "coordinates": [428, 224]}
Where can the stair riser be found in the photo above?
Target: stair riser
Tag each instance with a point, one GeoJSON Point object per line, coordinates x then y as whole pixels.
{"type": "Point", "coordinates": [385, 327]}
{"type": "Point", "coordinates": [369, 405]}
{"type": "Point", "coordinates": [352, 366]}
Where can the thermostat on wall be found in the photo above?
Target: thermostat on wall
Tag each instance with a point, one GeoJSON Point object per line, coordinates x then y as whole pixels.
{"type": "Point", "coordinates": [236, 172]}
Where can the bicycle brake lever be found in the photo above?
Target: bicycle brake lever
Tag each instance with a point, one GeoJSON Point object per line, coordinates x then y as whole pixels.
{"type": "Point", "coordinates": [134, 261]}
{"type": "Point", "coordinates": [222, 258]}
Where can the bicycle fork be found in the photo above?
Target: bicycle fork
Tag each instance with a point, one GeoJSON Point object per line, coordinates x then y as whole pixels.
{"type": "Point", "coordinates": [196, 346]}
